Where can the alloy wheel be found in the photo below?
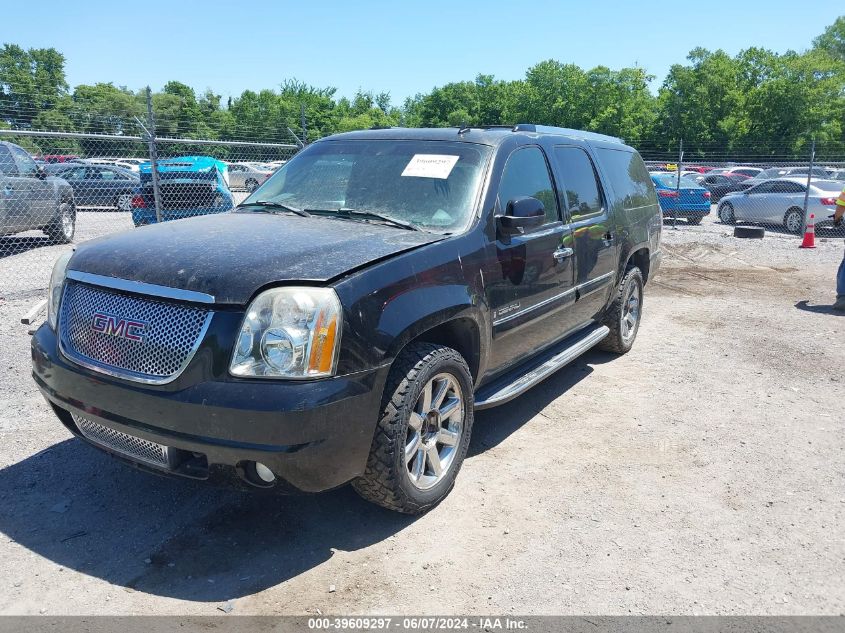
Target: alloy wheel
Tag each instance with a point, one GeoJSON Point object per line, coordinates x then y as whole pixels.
{"type": "Point", "coordinates": [434, 431]}
{"type": "Point", "coordinates": [630, 312]}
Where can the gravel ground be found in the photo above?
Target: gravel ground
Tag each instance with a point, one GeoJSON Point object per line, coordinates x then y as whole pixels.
{"type": "Point", "coordinates": [700, 473]}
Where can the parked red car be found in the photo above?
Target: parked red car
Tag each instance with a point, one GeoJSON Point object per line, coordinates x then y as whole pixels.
{"type": "Point", "coordinates": [59, 158]}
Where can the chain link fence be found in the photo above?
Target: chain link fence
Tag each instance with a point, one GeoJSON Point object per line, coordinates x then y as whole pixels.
{"type": "Point", "coordinates": [780, 193]}
{"type": "Point", "coordinates": [61, 188]}
{"type": "Point", "coordinates": [58, 189]}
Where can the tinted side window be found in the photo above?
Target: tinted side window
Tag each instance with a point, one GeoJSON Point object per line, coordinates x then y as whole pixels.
{"type": "Point", "coordinates": [583, 192]}
{"type": "Point", "coordinates": [75, 173]}
{"type": "Point", "coordinates": [766, 187]}
{"type": "Point", "coordinates": [7, 163]}
{"type": "Point", "coordinates": [788, 187]}
{"type": "Point", "coordinates": [26, 166]}
{"type": "Point", "coordinates": [527, 174]}
{"type": "Point", "coordinates": [628, 176]}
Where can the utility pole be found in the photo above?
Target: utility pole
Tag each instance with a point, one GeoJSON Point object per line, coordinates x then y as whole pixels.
{"type": "Point", "coordinates": [678, 184]}
{"type": "Point", "coordinates": [151, 141]}
{"type": "Point", "coordinates": [809, 178]}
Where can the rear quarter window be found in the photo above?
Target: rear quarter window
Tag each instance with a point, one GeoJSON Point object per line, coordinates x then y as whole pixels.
{"type": "Point", "coordinates": [628, 177]}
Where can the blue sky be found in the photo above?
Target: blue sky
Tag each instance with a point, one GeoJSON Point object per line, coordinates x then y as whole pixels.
{"type": "Point", "coordinates": [403, 48]}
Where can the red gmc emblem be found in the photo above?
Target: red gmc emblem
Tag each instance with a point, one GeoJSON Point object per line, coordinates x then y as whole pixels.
{"type": "Point", "coordinates": [116, 326]}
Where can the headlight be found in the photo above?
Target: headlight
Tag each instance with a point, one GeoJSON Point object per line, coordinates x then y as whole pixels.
{"type": "Point", "coordinates": [289, 333]}
{"type": "Point", "coordinates": [57, 282]}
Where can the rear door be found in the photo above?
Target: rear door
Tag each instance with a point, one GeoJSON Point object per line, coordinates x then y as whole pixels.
{"type": "Point", "coordinates": [107, 185]}
{"type": "Point", "coordinates": [785, 195]}
{"type": "Point", "coordinates": [533, 286]}
{"type": "Point", "coordinates": [593, 238]}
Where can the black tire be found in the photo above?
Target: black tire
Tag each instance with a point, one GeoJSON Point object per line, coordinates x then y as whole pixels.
{"type": "Point", "coordinates": [793, 220]}
{"type": "Point", "coordinates": [251, 184]}
{"type": "Point", "coordinates": [386, 480]}
{"type": "Point", "coordinates": [695, 220]}
{"type": "Point", "coordinates": [749, 232]}
{"type": "Point", "coordinates": [63, 227]}
{"type": "Point", "coordinates": [726, 213]}
{"type": "Point", "coordinates": [619, 341]}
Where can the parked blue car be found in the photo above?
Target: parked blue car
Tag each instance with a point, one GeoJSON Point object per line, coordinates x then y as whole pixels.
{"type": "Point", "coordinates": [690, 202]}
{"type": "Point", "coordinates": [189, 186]}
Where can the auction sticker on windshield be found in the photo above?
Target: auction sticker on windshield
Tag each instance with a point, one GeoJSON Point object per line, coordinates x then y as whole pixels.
{"type": "Point", "coordinates": [430, 166]}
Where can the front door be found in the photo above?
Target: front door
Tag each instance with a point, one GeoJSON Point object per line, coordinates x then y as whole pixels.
{"type": "Point", "coordinates": [532, 285]}
{"type": "Point", "coordinates": [42, 205]}
{"type": "Point", "coordinates": [15, 195]}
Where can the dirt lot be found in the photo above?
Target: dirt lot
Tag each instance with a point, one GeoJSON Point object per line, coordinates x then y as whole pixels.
{"type": "Point", "coordinates": [701, 473]}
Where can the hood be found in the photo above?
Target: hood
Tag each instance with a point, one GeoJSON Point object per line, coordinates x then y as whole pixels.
{"type": "Point", "coordinates": [231, 255]}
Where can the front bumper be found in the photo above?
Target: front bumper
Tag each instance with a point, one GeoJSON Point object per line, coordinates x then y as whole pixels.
{"type": "Point", "coordinates": [314, 435]}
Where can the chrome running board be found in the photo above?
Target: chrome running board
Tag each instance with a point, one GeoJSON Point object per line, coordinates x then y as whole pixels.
{"type": "Point", "coordinates": [509, 387]}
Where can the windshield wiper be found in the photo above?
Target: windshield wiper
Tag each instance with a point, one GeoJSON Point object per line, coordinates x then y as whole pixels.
{"type": "Point", "coordinates": [345, 212]}
{"type": "Point", "coordinates": [269, 204]}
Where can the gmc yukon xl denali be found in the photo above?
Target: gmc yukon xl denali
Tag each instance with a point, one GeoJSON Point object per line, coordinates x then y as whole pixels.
{"type": "Point", "coordinates": [346, 320]}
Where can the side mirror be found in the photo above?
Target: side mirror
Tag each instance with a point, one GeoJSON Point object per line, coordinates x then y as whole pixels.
{"type": "Point", "coordinates": [40, 172]}
{"type": "Point", "coordinates": [522, 213]}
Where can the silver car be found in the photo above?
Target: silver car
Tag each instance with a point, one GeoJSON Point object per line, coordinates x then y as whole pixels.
{"type": "Point", "coordinates": [247, 176]}
{"type": "Point", "coordinates": [781, 202]}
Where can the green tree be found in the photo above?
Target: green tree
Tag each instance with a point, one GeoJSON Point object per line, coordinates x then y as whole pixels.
{"type": "Point", "coordinates": [832, 41]}
{"type": "Point", "coordinates": [31, 81]}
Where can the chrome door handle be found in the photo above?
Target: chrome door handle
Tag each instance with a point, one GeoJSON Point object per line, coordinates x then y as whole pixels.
{"type": "Point", "coordinates": [562, 253]}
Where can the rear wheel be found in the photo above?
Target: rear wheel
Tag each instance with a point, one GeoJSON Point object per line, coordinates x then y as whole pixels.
{"type": "Point", "coordinates": [695, 219]}
{"type": "Point", "coordinates": [123, 202]}
{"type": "Point", "coordinates": [623, 316]}
{"type": "Point", "coordinates": [726, 213]}
{"type": "Point", "coordinates": [423, 434]}
{"type": "Point", "coordinates": [794, 220]}
{"type": "Point", "coordinates": [63, 226]}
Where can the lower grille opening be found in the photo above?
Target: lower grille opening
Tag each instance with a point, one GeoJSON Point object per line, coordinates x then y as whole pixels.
{"type": "Point", "coordinates": [186, 463]}
{"type": "Point", "coordinates": [129, 445]}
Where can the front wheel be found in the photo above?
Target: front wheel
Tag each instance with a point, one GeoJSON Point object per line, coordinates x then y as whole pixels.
{"type": "Point", "coordinates": [623, 316]}
{"type": "Point", "coordinates": [251, 185]}
{"type": "Point", "coordinates": [423, 434]}
{"type": "Point", "coordinates": [63, 227]}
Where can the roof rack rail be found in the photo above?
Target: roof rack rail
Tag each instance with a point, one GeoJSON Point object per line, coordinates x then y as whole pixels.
{"type": "Point", "coordinates": [544, 129]}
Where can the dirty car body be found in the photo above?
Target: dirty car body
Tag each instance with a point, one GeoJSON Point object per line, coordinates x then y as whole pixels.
{"type": "Point", "coordinates": [164, 345]}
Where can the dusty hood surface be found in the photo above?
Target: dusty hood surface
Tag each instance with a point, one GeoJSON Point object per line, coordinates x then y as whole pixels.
{"type": "Point", "coordinates": [231, 255]}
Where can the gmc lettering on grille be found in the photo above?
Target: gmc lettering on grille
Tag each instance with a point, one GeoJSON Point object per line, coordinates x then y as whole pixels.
{"type": "Point", "coordinates": [117, 326]}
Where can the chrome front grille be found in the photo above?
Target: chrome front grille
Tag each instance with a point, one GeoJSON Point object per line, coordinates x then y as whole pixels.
{"type": "Point", "coordinates": [145, 339]}
{"type": "Point", "coordinates": [129, 445]}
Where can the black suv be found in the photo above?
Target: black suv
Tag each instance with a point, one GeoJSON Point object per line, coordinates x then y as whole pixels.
{"type": "Point", "coordinates": [344, 322]}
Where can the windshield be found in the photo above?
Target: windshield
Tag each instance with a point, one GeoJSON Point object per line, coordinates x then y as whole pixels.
{"type": "Point", "coordinates": [671, 181]}
{"type": "Point", "coordinates": [430, 184]}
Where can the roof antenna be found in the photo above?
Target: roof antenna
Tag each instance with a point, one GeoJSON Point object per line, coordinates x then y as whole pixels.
{"type": "Point", "coordinates": [463, 128]}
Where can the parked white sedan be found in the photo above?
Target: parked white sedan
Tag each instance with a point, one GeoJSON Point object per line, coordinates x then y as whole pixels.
{"type": "Point", "coordinates": [247, 176]}
{"type": "Point", "coordinates": [780, 202]}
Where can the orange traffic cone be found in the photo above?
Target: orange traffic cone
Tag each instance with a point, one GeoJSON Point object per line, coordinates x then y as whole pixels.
{"type": "Point", "coordinates": [810, 233]}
